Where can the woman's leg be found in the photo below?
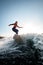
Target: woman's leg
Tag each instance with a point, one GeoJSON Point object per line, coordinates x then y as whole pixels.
{"type": "Point", "coordinates": [15, 30]}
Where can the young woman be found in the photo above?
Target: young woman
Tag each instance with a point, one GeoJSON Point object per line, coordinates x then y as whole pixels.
{"type": "Point", "coordinates": [14, 27]}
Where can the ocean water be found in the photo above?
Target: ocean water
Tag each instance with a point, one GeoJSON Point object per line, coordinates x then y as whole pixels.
{"type": "Point", "coordinates": [28, 51]}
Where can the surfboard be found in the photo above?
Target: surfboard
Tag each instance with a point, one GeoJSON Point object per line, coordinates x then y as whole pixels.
{"type": "Point", "coordinates": [17, 38]}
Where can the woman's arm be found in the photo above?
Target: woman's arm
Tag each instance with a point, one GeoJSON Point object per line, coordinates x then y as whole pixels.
{"type": "Point", "coordinates": [19, 27]}
{"type": "Point", "coordinates": [11, 24]}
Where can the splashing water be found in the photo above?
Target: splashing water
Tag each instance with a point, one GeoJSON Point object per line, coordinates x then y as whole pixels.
{"type": "Point", "coordinates": [9, 47]}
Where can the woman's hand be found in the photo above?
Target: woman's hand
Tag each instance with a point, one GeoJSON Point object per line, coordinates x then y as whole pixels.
{"type": "Point", "coordinates": [9, 25]}
{"type": "Point", "coordinates": [20, 27]}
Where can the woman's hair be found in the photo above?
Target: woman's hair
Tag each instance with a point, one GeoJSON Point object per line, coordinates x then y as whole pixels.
{"type": "Point", "coordinates": [16, 22]}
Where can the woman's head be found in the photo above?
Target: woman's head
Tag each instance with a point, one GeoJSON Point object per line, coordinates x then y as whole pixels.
{"type": "Point", "coordinates": [16, 22]}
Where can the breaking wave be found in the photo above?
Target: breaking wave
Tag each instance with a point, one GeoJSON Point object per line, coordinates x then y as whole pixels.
{"type": "Point", "coordinates": [28, 51]}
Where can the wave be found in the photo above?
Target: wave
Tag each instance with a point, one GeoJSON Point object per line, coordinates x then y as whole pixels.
{"type": "Point", "coordinates": [28, 50]}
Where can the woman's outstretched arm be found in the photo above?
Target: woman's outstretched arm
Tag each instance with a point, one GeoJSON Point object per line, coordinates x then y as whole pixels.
{"type": "Point", "coordinates": [11, 24]}
{"type": "Point", "coordinates": [19, 26]}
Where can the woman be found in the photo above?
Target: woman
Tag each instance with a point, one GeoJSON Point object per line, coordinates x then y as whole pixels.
{"type": "Point", "coordinates": [14, 27]}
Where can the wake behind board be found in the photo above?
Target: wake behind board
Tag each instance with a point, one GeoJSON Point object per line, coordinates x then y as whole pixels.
{"type": "Point", "coordinates": [17, 38]}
